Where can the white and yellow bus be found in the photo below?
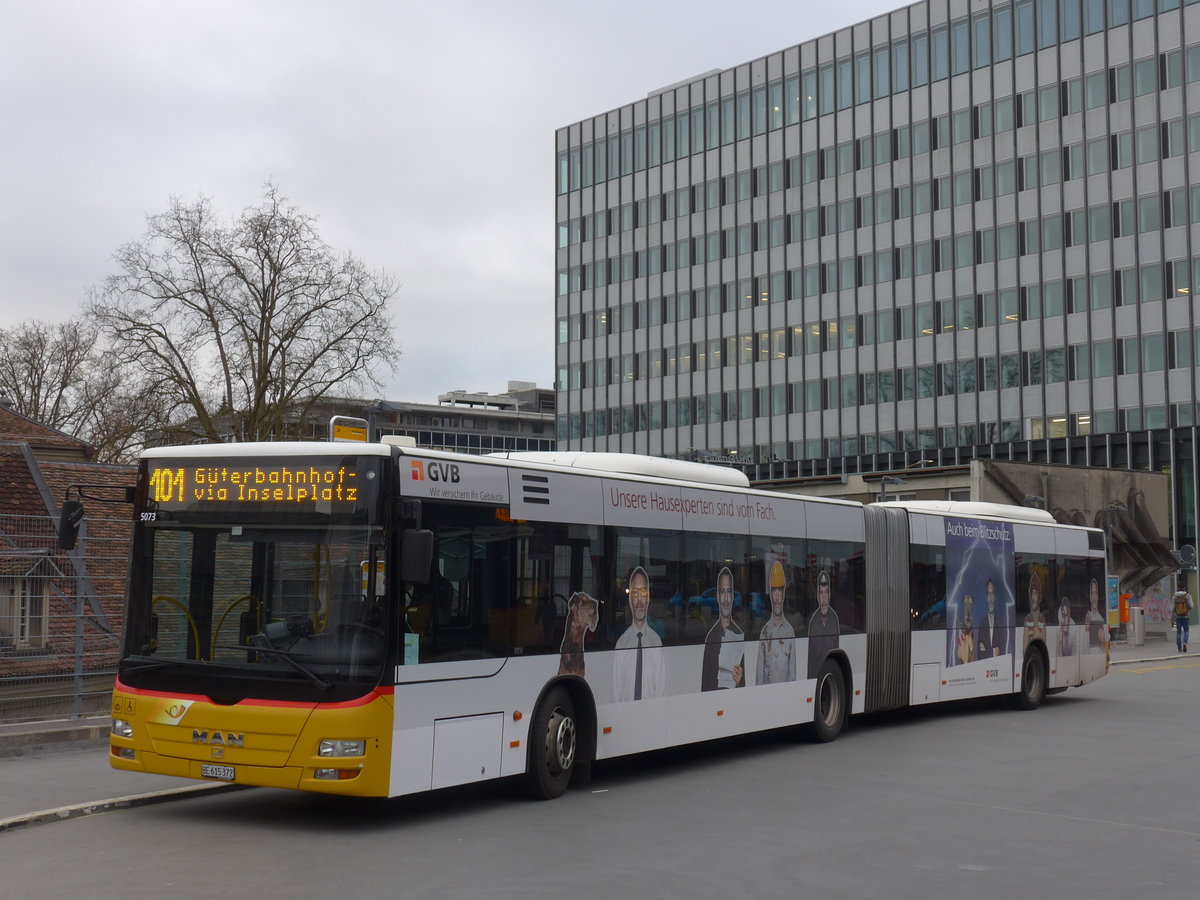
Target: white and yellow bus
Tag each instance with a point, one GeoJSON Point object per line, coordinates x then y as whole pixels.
{"type": "Point", "coordinates": [378, 620]}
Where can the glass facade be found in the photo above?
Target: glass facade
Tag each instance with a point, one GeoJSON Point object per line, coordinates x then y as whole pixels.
{"type": "Point", "coordinates": [944, 227]}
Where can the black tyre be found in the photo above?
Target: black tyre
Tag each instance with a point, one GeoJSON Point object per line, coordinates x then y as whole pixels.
{"type": "Point", "coordinates": [552, 745]}
{"type": "Point", "coordinates": [1033, 681]}
{"type": "Point", "coordinates": [829, 715]}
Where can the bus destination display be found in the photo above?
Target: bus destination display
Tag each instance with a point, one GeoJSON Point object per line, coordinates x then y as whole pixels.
{"type": "Point", "coordinates": [302, 484]}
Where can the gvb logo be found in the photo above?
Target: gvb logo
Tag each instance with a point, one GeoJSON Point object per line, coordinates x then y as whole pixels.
{"type": "Point", "coordinates": [435, 471]}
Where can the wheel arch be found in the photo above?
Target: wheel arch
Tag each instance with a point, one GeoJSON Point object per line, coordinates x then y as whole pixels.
{"type": "Point", "coordinates": [839, 657]}
{"type": "Point", "coordinates": [580, 693]}
{"type": "Point", "coordinates": [1039, 646]}
{"type": "Point", "coordinates": [1019, 697]}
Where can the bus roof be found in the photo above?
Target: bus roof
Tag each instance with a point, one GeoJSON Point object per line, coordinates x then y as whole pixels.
{"type": "Point", "coordinates": [268, 449]}
{"type": "Point", "coordinates": [973, 509]}
{"type": "Point", "coordinates": [633, 464]}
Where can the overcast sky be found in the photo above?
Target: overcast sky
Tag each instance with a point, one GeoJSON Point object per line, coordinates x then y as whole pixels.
{"type": "Point", "coordinates": [420, 134]}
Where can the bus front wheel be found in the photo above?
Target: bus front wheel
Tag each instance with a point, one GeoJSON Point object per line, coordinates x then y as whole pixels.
{"type": "Point", "coordinates": [553, 742]}
{"type": "Point", "coordinates": [829, 716]}
{"type": "Point", "coordinates": [1033, 681]}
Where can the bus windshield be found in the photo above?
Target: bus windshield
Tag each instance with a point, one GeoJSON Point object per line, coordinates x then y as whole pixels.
{"type": "Point", "coordinates": [271, 612]}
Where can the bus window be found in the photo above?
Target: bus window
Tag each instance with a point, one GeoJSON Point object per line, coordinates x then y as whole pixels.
{"type": "Point", "coordinates": [656, 554]}
{"type": "Point", "coordinates": [842, 563]}
{"type": "Point", "coordinates": [927, 588]}
{"type": "Point", "coordinates": [554, 562]}
{"type": "Point", "coordinates": [471, 577]}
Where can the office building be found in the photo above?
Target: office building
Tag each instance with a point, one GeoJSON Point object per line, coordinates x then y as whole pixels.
{"type": "Point", "coordinates": [521, 418]}
{"type": "Point", "coordinates": [958, 230]}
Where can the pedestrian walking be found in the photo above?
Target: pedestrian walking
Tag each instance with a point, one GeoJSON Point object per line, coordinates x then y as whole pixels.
{"type": "Point", "coordinates": [1182, 609]}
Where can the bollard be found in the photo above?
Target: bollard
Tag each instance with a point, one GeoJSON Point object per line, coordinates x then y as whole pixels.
{"type": "Point", "coordinates": [1137, 626]}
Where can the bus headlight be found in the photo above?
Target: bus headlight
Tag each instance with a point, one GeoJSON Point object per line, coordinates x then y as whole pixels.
{"type": "Point", "coordinates": [121, 728]}
{"type": "Point", "coordinates": [342, 748]}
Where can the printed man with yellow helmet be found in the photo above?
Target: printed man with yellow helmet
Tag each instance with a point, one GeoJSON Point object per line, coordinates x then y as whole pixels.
{"type": "Point", "coordinates": [777, 640]}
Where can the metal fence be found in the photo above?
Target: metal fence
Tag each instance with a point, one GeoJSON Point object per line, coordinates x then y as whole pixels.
{"type": "Point", "coordinates": [61, 616]}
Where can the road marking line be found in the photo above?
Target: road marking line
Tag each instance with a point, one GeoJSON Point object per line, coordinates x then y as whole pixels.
{"type": "Point", "coordinates": [1089, 819]}
{"type": "Point", "coordinates": [1144, 669]}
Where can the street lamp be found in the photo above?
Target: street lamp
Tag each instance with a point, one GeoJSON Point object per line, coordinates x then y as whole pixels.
{"type": "Point", "coordinates": [373, 413]}
{"type": "Point", "coordinates": [885, 481]}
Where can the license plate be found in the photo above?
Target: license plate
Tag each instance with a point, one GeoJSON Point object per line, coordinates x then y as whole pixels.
{"type": "Point", "coordinates": [221, 773]}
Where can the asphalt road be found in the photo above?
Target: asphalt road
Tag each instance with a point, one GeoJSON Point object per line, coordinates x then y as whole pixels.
{"type": "Point", "coordinates": [1091, 796]}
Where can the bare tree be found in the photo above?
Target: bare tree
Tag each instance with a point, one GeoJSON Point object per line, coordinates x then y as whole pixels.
{"type": "Point", "coordinates": [60, 374]}
{"type": "Point", "coordinates": [42, 369]}
{"type": "Point", "coordinates": [245, 324]}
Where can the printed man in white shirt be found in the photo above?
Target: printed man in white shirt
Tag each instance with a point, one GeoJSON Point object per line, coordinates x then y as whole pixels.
{"type": "Point", "coordinates": [640, 670]}
{"type": "Point", "coordinates": [724, 662]}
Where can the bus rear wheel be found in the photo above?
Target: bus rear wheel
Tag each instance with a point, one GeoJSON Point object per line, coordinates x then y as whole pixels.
{"type": "Point", "coordinates": [1033, 681]}
{"type": "Point", "coordinates": [829, 716]}
{"type": "Point", "coordinates": [553, 740]}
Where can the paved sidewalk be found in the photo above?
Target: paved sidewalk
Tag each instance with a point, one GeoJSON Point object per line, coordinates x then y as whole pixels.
{"type": "Point", "coordinates": [58, 770]}
{"type": "Point", "coordinates": [47, 787]}
{"type": "Point", "coordinates": [1154, 649]}
{"type": "Point", "coordinates": [25, 738]}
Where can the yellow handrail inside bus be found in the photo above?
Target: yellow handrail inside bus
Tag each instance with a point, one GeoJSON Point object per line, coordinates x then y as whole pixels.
{"type": "Point", "coordinates": [319, 623]}
{"type": "Point", "coordinates": [183, 609]}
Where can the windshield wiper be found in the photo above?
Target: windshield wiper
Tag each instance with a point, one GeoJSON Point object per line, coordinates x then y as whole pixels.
{"type": "Point", "coordinates": [289, 658]}
{"type": "Point", "coordinates": [145, 667]}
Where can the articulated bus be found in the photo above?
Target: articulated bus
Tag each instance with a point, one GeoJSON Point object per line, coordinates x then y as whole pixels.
{"type": "Point", "coordinates": [378, 620]}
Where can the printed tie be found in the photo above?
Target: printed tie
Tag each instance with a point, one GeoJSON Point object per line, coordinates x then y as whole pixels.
{"type": "Point", "coordinates": [637, 671]}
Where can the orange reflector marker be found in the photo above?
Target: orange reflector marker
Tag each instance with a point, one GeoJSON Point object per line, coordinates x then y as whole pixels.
{"type": "Point", "coordinates": [324, 774]}
{"type": "Point", "coordinates": [809, 700]}
{"type": "Point", "coordinates": [943, 682]}
{"type": "Point", "coordinates": [856, 693]}
{"type": "Point", "coordinates": [518, 715]}
{"type": "Point", "coordinates": [514, 744]}
{"type": "Point", "coordinates": [720, 712]}
{"type": "Point", "coordinates": [608, 729]}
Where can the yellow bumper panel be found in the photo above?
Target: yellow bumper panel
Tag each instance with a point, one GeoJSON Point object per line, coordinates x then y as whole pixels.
{"type": "Point", "coordinates": [260, 743]}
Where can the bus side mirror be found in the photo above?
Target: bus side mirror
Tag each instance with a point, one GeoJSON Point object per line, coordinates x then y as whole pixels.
{"type": "Point", "coordinates": [416, 555]}
{"type": "Point", "coordinates": [68, 524]}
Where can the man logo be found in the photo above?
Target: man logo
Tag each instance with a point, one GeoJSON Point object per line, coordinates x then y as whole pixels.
{"type": "Point", "coordinates": [217, 738]}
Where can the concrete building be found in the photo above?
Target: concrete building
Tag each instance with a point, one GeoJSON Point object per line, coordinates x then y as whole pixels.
{"type": "Point", "coordinates": [957, 231]}
{"type": "Point", "coordinates": [521, 418]}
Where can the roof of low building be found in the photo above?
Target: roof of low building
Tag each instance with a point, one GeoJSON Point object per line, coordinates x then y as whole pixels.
{"type": "Point", "coordinates": [41, 438]}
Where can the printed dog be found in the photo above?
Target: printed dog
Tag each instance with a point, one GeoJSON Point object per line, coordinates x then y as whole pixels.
{"type": "Point", "coordinates": [582, 617]}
